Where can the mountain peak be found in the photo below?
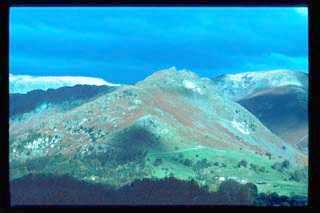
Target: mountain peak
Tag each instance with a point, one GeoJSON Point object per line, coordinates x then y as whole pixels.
{"type": "Point", "coordinates": [178, 80]}
{"type": "Point", "coordinates": [173, 72]}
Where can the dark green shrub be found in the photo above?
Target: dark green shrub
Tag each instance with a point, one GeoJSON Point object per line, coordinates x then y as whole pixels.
{"type": "Point", "coordinates": [91, 148]}
{"type": "Point", "coordinates": [268, 154]}
{"type": "Point", "coordinates": [202, 164]}
{"type": "Point", "coordinates": [299, 175]}
{"type": "Point", "coordinates": [36, 164]}
{"type": "Point", "coordinates": [274, 199]}
{"type": "Point", "coordinates": [252, 126]}
{"type": "Point", "coordinates": [187, 162]}
{"type": "Point", "coordinates": [171, 175]}
{"type": "Point", "coordinates": [242, 163]}
{"type": "Point", "coordinates": [262, 169]}
{"type": "Point", "coordinates": [230, 188]}
{"type": "Point", "coordinates": [281, 167]}
{"type": "Point", "coordinates": [248, 193]}
{"type": "Point", "coordinates": [236, 193]}
{"type": "Point", "coordinates": [285, 164]}
{"type": "Point", "coordinates": [254, 167]}
{"type": "Point", "coordinates": [157, 162]}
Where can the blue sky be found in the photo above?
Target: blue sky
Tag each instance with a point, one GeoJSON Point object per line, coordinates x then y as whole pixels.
{"type": "Point", "coordinates": [125, 45]}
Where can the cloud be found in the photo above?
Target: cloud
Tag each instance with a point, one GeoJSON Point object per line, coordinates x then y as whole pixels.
{"type": "Point", "coordinates": [104, 42]}
{"type": "Point", "coordinates": [278, 61]}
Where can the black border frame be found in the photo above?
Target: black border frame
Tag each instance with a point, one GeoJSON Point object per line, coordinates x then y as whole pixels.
{"type": "Point", "coordinates": [314, 77]}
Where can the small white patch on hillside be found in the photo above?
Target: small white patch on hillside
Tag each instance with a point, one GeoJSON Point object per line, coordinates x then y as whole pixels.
{"type": "Point", "coordinates": [83, 121]}
{"type": "Point", "coordinates": [192, 86]}
{"type": "Point", "coordinates": [241, 127]}
{"type": "Point", "coordinates": [221, 179]}
{"type": "Point", "coordinates": [235, 77]}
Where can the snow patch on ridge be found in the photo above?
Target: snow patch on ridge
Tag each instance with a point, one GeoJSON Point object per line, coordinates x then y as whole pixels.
{"type": "Point", "coordinates": [26, 83]}
{"type": "Point", "coordinates": [241, 127]}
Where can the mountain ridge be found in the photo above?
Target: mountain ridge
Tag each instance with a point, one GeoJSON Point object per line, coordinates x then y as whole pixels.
{"type": "Point", "coordinates": [240, 85]}
{"type": "Point", "coordinates": [138, 130]}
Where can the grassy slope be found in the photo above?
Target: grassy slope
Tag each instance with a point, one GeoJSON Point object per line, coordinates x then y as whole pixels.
{"type": "Point", "coordinates": [174, 164]}
{"type": "Point", "coordinates": [275, 181]}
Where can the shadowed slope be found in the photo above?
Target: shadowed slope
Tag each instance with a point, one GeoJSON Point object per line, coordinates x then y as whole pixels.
{"type": "Point", "coordinates": [284, 111]}
{"type": "Point", "coordinates": [22, 103]}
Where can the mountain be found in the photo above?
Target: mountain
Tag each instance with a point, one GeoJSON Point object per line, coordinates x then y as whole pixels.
{"type": "Point", "coordinates": [173, 123]}
{"type": "Point", "coordinates": [284, 111]}
{"type": "Point", "coordinates": [65, 97]}
{"type": "Point", "coordinates": [240, 85]}
{"type": "Point", "coordinates": [279, 99]}
{"type": "Point", "coordinates": [26, 83]}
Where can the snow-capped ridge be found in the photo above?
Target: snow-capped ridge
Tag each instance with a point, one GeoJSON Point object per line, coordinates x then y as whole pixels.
{"type": "Point", "coordinates": [284, 77]}
{"type": "Point", "coordinates": [237, 86]}
{"type": "Point", "coordinates": [25, 83]}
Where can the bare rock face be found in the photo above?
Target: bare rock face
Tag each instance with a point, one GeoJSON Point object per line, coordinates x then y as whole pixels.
{"type": "Point", "coordinates": [172, 117]}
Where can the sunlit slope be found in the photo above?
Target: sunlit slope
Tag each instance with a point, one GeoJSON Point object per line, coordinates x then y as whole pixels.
{"type": "Point", "coordinates": [172, 123]}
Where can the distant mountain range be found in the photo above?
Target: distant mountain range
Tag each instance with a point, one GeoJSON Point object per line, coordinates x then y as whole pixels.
{"type": "Point", "coordinates": [26, 83]}
{"type": "Point", "coordinates": [173, 123]}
